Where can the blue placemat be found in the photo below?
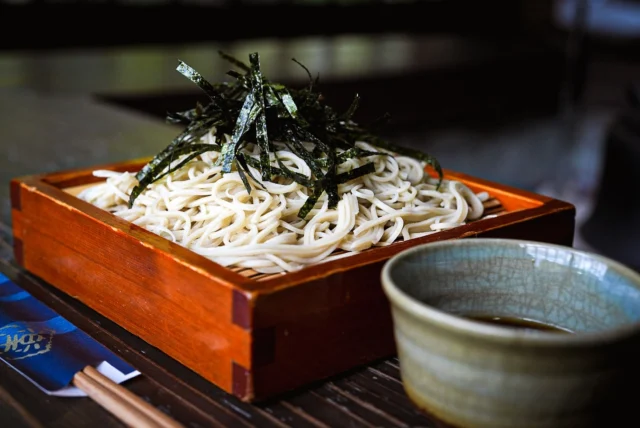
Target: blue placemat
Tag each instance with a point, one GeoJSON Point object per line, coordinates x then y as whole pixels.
{"type": "Point", "coordinates": [46, 348]}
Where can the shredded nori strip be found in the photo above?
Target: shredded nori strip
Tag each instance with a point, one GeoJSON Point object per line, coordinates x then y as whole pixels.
{"type": "Point", "coordinates": [358, 172]}
{"type": "Point", "coordinates": [310, 202]}
{"type": "Point", "coordinates": [243, 169]}
{"type": "Point", "coordinates": [241, 65]}
{"type": "Point", "coordinates": [208, 89]}
{"type": "Point", "coordinates": [352, 108]}
{"type": "Point", "coordinates": [251, 109]}
{"type": "Point", "coordinates": [164, 165]}
{"type": "Point", "coordinates": [246, 116]}
{"type": "Point", "coordinates": [261, 121]}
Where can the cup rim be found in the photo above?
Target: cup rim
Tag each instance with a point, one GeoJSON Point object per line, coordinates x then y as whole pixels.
{"type": "Point", "coordinates": [475, 329]}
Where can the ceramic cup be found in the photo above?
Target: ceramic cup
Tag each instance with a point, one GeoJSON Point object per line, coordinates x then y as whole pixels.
{"type": "Point", "coordinates": [474, 374]}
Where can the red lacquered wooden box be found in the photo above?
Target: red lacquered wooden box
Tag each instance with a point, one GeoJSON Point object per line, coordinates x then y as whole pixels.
{"type": "Point", "coordinates": [253, 335]}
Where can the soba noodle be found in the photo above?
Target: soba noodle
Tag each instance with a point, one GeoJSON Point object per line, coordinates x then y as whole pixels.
{"type": "Point", "coordinates": [212, 214]}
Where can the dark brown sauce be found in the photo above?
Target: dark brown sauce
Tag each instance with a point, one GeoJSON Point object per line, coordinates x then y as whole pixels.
{"type": "Point", "coordinates": [518, 323]}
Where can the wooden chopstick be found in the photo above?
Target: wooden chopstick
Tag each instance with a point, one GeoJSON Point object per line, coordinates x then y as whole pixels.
{"type": "Point", "coordinates": [122, 403]}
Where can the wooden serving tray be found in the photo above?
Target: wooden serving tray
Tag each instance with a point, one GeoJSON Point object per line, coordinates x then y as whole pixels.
{"type": "Point", "coordinates": [252, 335]}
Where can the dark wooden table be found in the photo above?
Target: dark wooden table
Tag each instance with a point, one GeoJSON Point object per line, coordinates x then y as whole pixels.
{"type": "Point", "coordinates": [41, 134]}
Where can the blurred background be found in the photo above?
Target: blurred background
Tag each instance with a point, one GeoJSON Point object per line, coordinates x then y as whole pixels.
{"type": "Point", "coordinates": [537, 94]}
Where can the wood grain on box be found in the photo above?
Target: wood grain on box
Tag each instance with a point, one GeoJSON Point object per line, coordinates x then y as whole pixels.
{"type": "Point", "coordinates": [252, 335]}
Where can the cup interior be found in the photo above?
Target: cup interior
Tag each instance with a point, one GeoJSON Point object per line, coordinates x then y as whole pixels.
{"type": "Point", "coordinates": [554, 285]}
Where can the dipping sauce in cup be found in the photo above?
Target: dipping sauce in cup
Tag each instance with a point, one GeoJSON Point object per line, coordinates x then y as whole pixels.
{"type": "Point", "coordinates": [505, 333]}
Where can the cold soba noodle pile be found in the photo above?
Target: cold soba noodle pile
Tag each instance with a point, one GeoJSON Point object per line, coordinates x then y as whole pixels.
{"type": "Point", "coordinates": [209, 191]}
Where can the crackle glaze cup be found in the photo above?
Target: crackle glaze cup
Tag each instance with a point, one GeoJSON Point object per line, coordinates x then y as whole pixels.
{"type": "Point", "coordinates": [473, 374]}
